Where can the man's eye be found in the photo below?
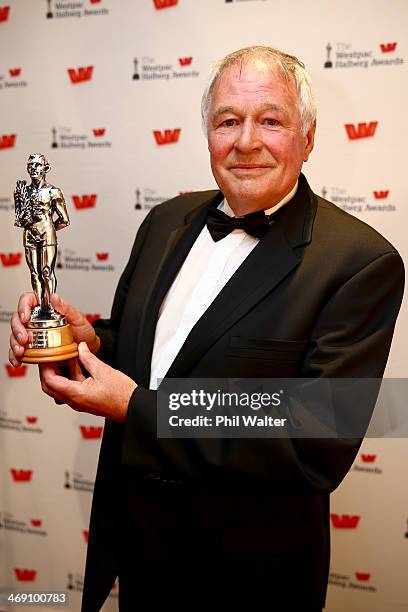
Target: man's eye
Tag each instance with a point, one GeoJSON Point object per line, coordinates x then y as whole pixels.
{"type": "Point", "coordinates": [229, 123]}
{"type": "Point", "coordinates": [270, 121]}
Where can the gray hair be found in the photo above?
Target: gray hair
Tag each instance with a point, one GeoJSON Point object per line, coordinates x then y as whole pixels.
{"type": "Point", "coordinates": [290, 67]}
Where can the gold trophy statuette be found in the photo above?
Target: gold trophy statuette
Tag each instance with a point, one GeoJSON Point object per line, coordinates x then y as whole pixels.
{"type": "Point", "coordinates": [41, 211]}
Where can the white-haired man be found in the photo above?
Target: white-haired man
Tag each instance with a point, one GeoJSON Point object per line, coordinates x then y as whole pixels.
{"type": "Point", "coordinates": [262, 279]}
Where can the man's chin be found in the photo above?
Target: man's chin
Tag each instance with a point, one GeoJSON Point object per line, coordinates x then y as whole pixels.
{"type": "Point", "coordinates": [250, 190]}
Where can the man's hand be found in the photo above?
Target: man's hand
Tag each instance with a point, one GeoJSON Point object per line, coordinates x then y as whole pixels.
{"type": "Point", "coordinates": [106, 392]}
{"type": "Point", "coordinates": [82, 330]}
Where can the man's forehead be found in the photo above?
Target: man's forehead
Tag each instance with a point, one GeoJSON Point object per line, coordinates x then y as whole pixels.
{"type": "Point", "coordinates": [252, 70]}
{"type": "Point", "coordinates": [254, 75]}
{"type": "Point", "coordinates": [35, 158]}
{"type": "Point", "coordinates": [260, 82]}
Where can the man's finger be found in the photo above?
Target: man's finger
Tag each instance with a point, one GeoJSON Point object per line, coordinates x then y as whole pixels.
{"type": "Point", "coordinates": [58, 386]}
{"type": "Point", "coordinates": [18, 329]}
{"type": "Point", "coordinates": [56, 396]}
{"type": "Point", "coordinates": [49, 367]}
{"type": "Point", "coordinates": [59, 399]}
{"type": "Point", "coordinates": [76, 371]}
{"type": "Point", "coordinates": [73, 315]}
{"type": "Point", "coordinates": [13, 359]}
{"type": "Point", "coordinates": [16, 346]}
{"type": "Point", "coordinates": [72, 370]}
{"type": "Point", "coordinates": [88, 360]}
{"type": "Point", "coordinates": [26, 303]}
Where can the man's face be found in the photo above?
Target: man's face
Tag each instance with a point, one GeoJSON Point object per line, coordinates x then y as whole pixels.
{"type": "Point", "coordinates": [36, 167]}
{"type": "Point", "coordinates": [254, 136]}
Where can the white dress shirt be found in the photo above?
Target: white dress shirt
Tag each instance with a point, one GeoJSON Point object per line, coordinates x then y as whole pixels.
{"type": "Point", "coordinates": [207, 268]}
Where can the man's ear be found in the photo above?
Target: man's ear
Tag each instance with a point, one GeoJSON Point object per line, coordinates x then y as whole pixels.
{"type": "Point", "coordinates": [47, 168]}
{"type": "Point", "coordinates": [309, 141]}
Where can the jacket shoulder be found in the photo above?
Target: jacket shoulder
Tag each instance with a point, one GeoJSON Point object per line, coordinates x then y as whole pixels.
{"type": "Point", "coordinates": [343, 228]}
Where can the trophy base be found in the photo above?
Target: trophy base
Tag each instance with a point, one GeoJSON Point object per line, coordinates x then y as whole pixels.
{"type": "Point", "coordinates": [50, 344]}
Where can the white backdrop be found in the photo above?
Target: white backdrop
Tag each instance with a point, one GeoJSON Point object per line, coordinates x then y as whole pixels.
{"type": "Point", "coordinates": [110, 92]}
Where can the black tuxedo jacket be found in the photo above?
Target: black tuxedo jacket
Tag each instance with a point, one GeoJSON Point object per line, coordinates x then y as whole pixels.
{"type": "Point", "coordinates": [317, 297]}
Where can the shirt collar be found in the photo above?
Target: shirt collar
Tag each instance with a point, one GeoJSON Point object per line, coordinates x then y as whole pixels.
{"type": "Point", "coordinates": [225, 207]}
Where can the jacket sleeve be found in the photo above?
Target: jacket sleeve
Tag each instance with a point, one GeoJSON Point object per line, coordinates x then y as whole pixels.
{"type": "Point", "coordinates": [107, 329]}
{"type": "Point", "coordinates": [351, 338]}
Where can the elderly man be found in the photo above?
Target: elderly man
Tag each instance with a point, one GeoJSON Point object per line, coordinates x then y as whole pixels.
{"type": "Point", "coordinates": [260, 279]}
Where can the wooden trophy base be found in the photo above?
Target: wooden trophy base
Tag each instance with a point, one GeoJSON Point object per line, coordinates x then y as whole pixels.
{"type": "Point", "coordinates": [50, 345]}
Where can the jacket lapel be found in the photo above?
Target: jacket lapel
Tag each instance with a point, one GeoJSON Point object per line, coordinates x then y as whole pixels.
{"type": "Point", "coordinates": [179, 243]}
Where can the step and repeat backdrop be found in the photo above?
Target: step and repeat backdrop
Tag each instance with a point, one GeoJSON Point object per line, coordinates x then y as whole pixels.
{"type": "Point", "coordinates": [110, 92]}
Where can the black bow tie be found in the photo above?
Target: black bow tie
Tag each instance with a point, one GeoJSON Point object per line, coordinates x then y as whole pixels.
{"type": "Point", "coordinates": [220, 225]}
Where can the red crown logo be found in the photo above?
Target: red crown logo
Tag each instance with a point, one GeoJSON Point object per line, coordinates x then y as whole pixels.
{"type": "Point", "coordinates": [7, 141]}
{"type": "Point", "coordinates": [388, 47]}
{"type": "Point", "coordinates": [31, 420]}
{"type": "Point", "coordinates": [344, 521]}
{"type": "Point", "coordinates": [4, 13]}
{"type": "Point", "coordinates": [84, 201]}
{"type": "Point", "coordinates": [16, 372]}
{"type": "Point", "coordinates": [81, 74]}
{"type": "Point", "coordinates": [36, 522]}
{"type": "Point", "coordinates": [21, 475]}
{"type": "Point", "coordinates": [102, 256]}
{"type": "Point", "coordinates": [91, 433]}
{"type": "Point", "coordinates": [95, 1]}
{"type": "Point", "coordinates": [185, 61]}
{"type": "Point", "coordinates": [362, 577]}
{"type": "Point", "coordinates": [368, 458]}
{"type": "Point", "coordinates": [86, 535]}
{"type": "Point", "coordinates": [15, 72]}
{"type": "Point", "coordinates": [26, 575]}
{"type": "Point", "coordinates": [162, 4]}
{"type": "Point", "coordinates": [10, 259]}
{"type": "Point", "coordinates": [381, 195]}
{"type": "Point", "coordinates": [363, 130]}
{"type": "Point", "coordinates": [98, 132]}
{"type": "Point", "coordinates": [167, 136]}
{"type": "Point", "coordinates": [93, 317]}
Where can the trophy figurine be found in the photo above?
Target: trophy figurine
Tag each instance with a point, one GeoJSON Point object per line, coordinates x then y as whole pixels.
{"type": "Point", "coordinates": [136, 75]}
{"type": "Point", "coordinates": [328, 63]}
{"type": "Point", "coordinates": [41, 210]}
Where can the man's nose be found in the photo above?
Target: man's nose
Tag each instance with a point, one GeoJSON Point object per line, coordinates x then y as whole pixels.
{"type": "Point", "coordinates": [248, 137]}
